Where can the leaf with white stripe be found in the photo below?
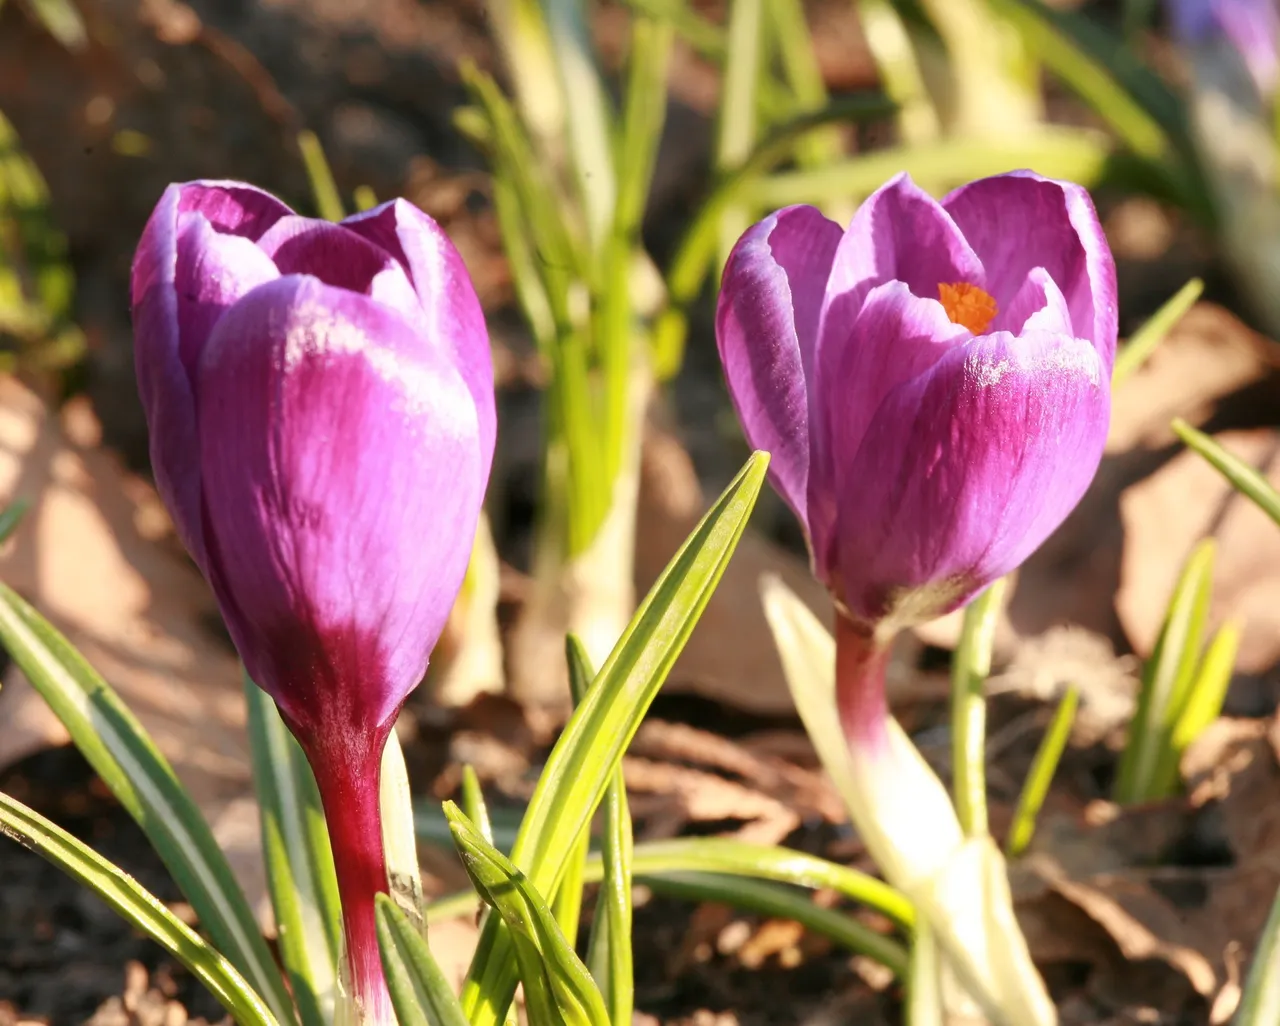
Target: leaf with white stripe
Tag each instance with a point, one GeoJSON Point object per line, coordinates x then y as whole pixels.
{"type": "Point", "coordinates": [137, 906]}
{"type": "Point", "coordinates": [299, 861]}
{"type": "Point", "coordinates": [124, 756]}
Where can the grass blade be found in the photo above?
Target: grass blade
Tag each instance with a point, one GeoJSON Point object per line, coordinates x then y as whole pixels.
{"type": "Point", "coordinates": [137, 906]}
{"type": "Point", "coordinates": [723, 856]}
{"type": "Point", "coordinates": [1244, 478]}
{"type": "Point", "coordinates": [1036, 786]}
{"type": "Point", "coordinates": [11, 517]}
{"type": "Point", "coordinates": [118, 748]}
{"type": "Point", "coordinates": [969, 670]}
{"type": "Point", "coordinates": [420, 991]}
{"type": "Point", "coordinates": [590, 749]}
{"type": "Point", "coordinates": [299, 862]}
{"type": "Point", "coordinates": [1166, 682]}
{"type": "Point", "coordinates": [1210, 689]}
{"type": "Point", "coordinates": [1143, 342]}
{"type": "Point", "coordinates": [324, 190]}
{"type": "Point", "coordinates": [550, 969]}
{"type": "Point", "coordinates": [568, 899]}
{"type": "Point", "coordinates": [1260, 1005]}
{"type": "Point", "coordinates": [736, 133]}
{"type": "Point", "coordinates": [781, 902]}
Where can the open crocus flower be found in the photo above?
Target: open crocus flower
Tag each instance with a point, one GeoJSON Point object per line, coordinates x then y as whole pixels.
{"type": "Point", "coordinates": [934, 386]}
{"type": "Point", "coordinates": [320, 402]}
{"type": "Point", "coordinates": [933, 382]}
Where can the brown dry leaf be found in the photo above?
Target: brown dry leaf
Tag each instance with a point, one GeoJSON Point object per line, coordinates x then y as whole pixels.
{"type": "Point", "coordinates": [86, 557]}
{"type": "Point", "coordinates": [808, 791]}
{"type": "Point", "coordinates": [1098, 865]}
{"type": "Point", "coordinates": [1186, 500]}
{"type": "Point", "coordinates": [1232, 772]}
{"type": "Point", "coordinates": [670, 797]}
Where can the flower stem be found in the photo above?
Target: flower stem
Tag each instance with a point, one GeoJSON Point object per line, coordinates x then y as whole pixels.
{"type": "Point", "coordinates": [861, 659]}
{"type": "Point", "coordinates": [347, 767]}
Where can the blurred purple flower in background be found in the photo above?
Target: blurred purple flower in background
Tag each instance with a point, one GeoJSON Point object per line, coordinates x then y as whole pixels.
{"type": "Point", "coordinates": [320, 403]}
{"type": "Point", "coordinates": [1252, 27]}
{"type": "Point", "coordinates": [934, 386]}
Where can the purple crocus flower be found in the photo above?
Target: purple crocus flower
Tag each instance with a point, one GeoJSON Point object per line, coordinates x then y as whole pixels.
{"type": "Point", "coordinates": [933, 384]}
{"type": "Point", "coordinates": [320, 402]}
{"type": "Point", "coordinates": [1252, 27]}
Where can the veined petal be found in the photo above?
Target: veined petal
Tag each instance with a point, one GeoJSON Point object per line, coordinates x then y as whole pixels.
{"type": "Point", "coordinates": [233, 208]}
{"type": "Point", "coordinates": [186, 273]}
{"type": "Point", "coordinates": [452, 312]}
{"type": "Point", "coordinates": [342, 479]}
{"type": "Point", "coordinates": [766, 328]}
{"type": "Point", "coordinates": [1021, 220]}
{"type": "Point", "coordinates": [900, 233]}
{"type": "Point", "coordinates": [895, 337]}
{"type": "Point", "coordinates": [343, 258]}
{"type": "Point", "coordinates": [966, 470]}
{"type": "Point", "coordinates": [1037, 306]}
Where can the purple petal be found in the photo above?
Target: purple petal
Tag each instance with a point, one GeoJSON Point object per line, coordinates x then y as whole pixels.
{"type": "Point", "coordinates": [1038, 306]}
{"type": "Point", "coordinates": [452, 310]}
{"type": "Point", "coordinates": [966, 470]}
{"type": "Point", "coordinates": [766, 328]}
{"type": "Point", "coordinates": [342, 485]}
{"type": "Point", "coordinates": [900, 233]}
{"type": "Point", "coordinates": [342, 258]}
{"type": "Point", "coordinates": [1021, 220]}
{"type": "Point", "coordinates": [233, 208]}
{"type": "Point", "coordinates": [895, 338]}
{"type": "Point", "coordinates": [186, 273]}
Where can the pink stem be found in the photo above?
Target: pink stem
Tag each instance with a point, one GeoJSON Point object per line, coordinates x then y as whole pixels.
{"type": "Point", "coordinates": [861, 660]}
{"type": "Point", "coordinates": [347, 768]}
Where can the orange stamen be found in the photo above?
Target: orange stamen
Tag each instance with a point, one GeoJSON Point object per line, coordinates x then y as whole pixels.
{"type": "Point", "coordinates": [968, 305]}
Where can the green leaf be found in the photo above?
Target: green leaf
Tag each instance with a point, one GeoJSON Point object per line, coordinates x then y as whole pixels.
{"type": "Point", "coordinates": [589, 119]}
{"type": "Point", "coordinates": [568, 899]}
{"type": "Point", "coordinates": [299, 861]}
{"type": "Point", "coordinates": [420, 991]}
{"type": "Point", "coordinates": [969, 670]}
{"type": "Point", "coordinates": [1143, 342]}
{"type": "Point", "coordinates": [124, 756]}
{"type": "Point", "coordinates": [473, 803]}
{"type": "Point", "coordinates": [1036, 786]}
{"type": "Point", "coordinates": [724, 856]}
{"type": "Point", "coordinates": [324, 190]}
{"type": "Point", "coordinates": [137, 906]}
{"type": "Point", "coordinates": [62, 20]}
{"type": "Point", "coordinates": [1076, 154]}
{"type": "Point", "coordinates": [1210, 688]}
{"type": "Point", "coordinates": [558, 987]}
{"type": "Point", "coordinates": [736, 133]}
{"type": "Point", "coordinates": [1101, 71]}
{"type": "Point", "coordinates": [609, 954]}
{"type": "Point", "coordinates": [11, 517]}
{"type": "Point", "coordinates": [1147, 770]}
{"type": "Point", "coordinates": [583, 762]}
{"type": "Point", "coordinates": [1260, 1004]}
{"type": "Point", "coordinates": [781, 902]}
{"type": "Point", "coordinates": [1244, 478]}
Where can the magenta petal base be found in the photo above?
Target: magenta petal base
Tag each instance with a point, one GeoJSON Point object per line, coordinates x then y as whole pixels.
{"type": "Point", "coordinates": [347, 768]}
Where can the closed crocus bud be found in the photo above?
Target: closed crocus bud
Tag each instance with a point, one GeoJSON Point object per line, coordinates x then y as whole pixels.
{"type": "Point", "coordinates": [933, 383]}
{"type": "Point", "coordinates": [320, 402]}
